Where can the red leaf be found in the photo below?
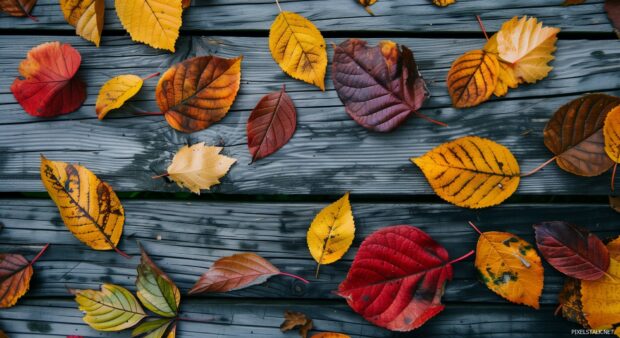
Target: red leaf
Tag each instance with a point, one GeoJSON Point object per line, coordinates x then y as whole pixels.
{"type": "Point", "coordinates": [379, 86]}
{"type": "Point", "coordinates": [50, 87]}
{"type": "Point", "coordinates": [397, 278]}
{"type": "Point", "coordinates": [572, 250]}
{"type": "Point", "coordinates": [271, 124]}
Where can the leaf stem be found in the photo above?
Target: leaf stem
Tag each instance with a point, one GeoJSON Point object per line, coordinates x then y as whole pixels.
{"type": "Point", "coordinates": [465, 256]}
{"type": "Point", "coordinates": [367, 8]}
{"type": "Point", "coordinates": [558, 309]}
{"type": "Point", "coordinates": [148, 113]}
{"type": "Point", "coordinates": [160, 176]}
{"type": "Point", "coordinates": [484, 31]}
{"type": "Point", "coordinates": [535, 170]}
{"type": "Point", "coordinates": [120, 252]}
{"type": "Point", "coordinates": [420, 115]}
{"type": "Point", "coordinates": [278, 3]}
{"type": "Point", "coordinates": [613, 176]}
{"type": "Point", "coordinates": [294, 276]}
{"type": "Point", "coordinates": [318, 267]}
{"type": "Point", "coordinates": [150, 76]}
{"type": "Point", "coordinates": [475, 227]}
{"type": "Point", "coordinates": [36, 258]}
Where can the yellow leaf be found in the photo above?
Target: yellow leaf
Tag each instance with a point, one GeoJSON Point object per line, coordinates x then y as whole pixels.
{"type": "Point", "coordinates": [443, 3]}
{"type": "Point", "coordinates": [367, 4]}
{"type": "Point", "coordinates": [199, 167]}
{"type": "Point", "coordinates": [472, 78]}
{"type": "Point", "coordinates": [611, 131]}
{"type": "Point", "coordinates": [331, 233]}
{"type": "Point", "coordinates": [154, 22]}
{"type": "Point", "coordinates": [115, 92]}
{"type": "Point", "coordinates": [299, 48]}
{"type": "Point", "coordinates": [88, 206]}
{"type": "Point", "coordinates": [528, 46]}
{"type": "Point", "coordinates": [113, 308]}
{"type": "Point", "coordinates": [86, 16]}
{"type": "Point", "coordinates": [510, 267]}
{"type": "Point", "coordinates": [471, 172]}
{"type": "Point", "coordinates": [506, 77]}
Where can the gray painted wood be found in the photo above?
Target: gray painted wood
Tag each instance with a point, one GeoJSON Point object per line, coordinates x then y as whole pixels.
{"type": "Point", "coordinates": [415, 16]}
{"type": "Point", "coordinates": [194, 234]}
{"type": "Point", "coordinates": [329, 153]}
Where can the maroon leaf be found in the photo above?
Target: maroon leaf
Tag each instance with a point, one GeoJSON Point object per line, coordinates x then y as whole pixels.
{"type": "Point", "coordinates": [397, 278]}
{"type": "Point", "coordinates": [271, 124]}
{"type": "Point", "coordinates": [572, 250]}
{"type": "Point", "coordinates": [612, 7]}
{"type": "Point", "coordinates": [379, 86]}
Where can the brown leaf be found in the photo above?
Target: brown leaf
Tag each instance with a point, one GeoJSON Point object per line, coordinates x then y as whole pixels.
{"type": "Point", "coordinates": [612, 7]}
{"type": "Point", "coordinates": [15, 275]}
{"type": "Point", "coordinates": [17, 7]}
{"type": "Point", "coordinates": [296, 319]}
{"type": "Point", "coordinates": [614, 203]}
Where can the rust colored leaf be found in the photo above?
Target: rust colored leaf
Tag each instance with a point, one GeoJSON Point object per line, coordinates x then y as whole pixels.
{"type": "Point", "coordinates": [472, 78]}
{"type": "Point", "coordinates": [271, 124]}
{"type": "Point", "coordinates": [17, 7]}
{"type": "Point", "coordinates": [15, 275]}
{"type": "Point", "coordinates": [614, 203]}
{"type": "Point", "coordinates": [612, 7]}
{"type": "Point", "coordinates": [379, 86]}
{"type": "Point", "coordinates": [198, 92]}
{"type": "Point", "coordinates": [293, 320]}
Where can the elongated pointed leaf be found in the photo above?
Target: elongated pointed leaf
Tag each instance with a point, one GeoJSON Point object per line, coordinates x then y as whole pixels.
{"type": "Point", "coordinates": [156, 290]}
{"type": "Point", "coordinates": [113, 308]}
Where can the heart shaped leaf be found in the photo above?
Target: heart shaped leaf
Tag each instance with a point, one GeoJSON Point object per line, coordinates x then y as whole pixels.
{"type": "Point", "coordinates": [154, 22]}
{"type": "Point", "coordinates": [15, 275]}
{"type": "Point", "coordinates": [113, 308]}
{"type": "Point", "coordinates": [156, 290]}
{"type": "Point", "coordinates": [86, 16]}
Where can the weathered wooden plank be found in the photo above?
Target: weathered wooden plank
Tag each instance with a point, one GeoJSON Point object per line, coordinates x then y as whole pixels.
{"type": "Point", "coordinates": [417, 16]}
{"type": "Point", "coordinates": [42, 318]}
{"type": "Point", "coordinates": [194, 234]}
{"type": "Point", "coordinates": [329, 152]}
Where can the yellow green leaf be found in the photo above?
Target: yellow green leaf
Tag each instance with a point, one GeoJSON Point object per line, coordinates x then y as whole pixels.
{"type": "Point", "coordinates": [113, 308]}
{"type": "Point", "coordinates": [154, 328]}
{"type": "Point", "coordinates": [156, 290]}
{"type": "Point", "coordinates": [154, 22]}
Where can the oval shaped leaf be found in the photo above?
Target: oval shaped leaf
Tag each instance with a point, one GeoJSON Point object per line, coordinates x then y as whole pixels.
{"type": "Point", "coordinates": [235, 272]}
{"type": "Point", "coordinates": [611, 134]}
{"type": "Point", "coordinates": [472, 78]}
{"type": "Point", "coordinates": [471, 172]}
{"type": "Point", "coordinates": [154, 22]}
{"type": "Point", "coordinates": [156, 290]}
{"type": "Point", "coordinates": [572, 250]}
{"type": "Point", "coordinates": [198, 92]}
{"type": "Point", "coordinates": [115, 92]}
{"type": "Point", "coordinates": [86, 16]}
{"type": "Point", "coordinates": [380, 86]}
{"type": "Point", "coordinates": [17, 7]}
{"type": "Point", "coordinates": [271, 124]}
{"type": "Point", "coordinates": [575, 134]}
{"type": "Point", "coordinates": [298, 48]}
{"type": "Point", "coordinates": [88, 206]}
{"type": "Point", "coordinates": [50, 86]}
{"type": "Point", "coordinates": [113, 308]}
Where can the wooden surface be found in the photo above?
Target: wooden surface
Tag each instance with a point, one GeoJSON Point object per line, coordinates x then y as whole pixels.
{"type": "Point", "coordinates": [266, 207]}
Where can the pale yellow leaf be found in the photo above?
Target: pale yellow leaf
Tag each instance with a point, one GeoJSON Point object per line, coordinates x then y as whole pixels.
{"type": "Point", "coordinates": [506, 76]}
{"type": "Point", "coordinates": [154, 22]}
{"type": "Point", "coordinates": [86, 16]}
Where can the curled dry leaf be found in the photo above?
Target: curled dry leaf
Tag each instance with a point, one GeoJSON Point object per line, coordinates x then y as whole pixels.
{"type": "Point", "coordinates": [332, 232]}
{"type": "Point", "coordinates": [156, 328]}
{"type": "Point", "coordinates": [510, 267]}
{"type": "Point", "coordinates": [198, 92]}
{"type": "Point", "coordinates": [117, 91]}
{"type": "Point", "coordinates": [612, 7]}
{"type": "Point", "coordinates": [380, 86]}
{"type": "Point", "coordinates": [156, 290]}
{"type": "Point", "coordinates": [88, 206]}
{"type": "Point", "coordinates": [271, 124]}
{"type": "Point", "coordinates": [154, 22]}
{"type": "Point", "coordinates": [86, 16]}
{"type": "Point", "coordinates": [50, 86]}
{"type": "Point", "coordinates": [472, 78]}
{"type": "Point", "coordinates": [199, 167]}
{"type": "Point", "coordinates": [113, 308]}
{"type": "Point", "coordinates": [572, 250]}
{"type": "Point", "coordinates": [443, 3]}
{"type": "Point", "coordinates": [298, 48]}
{"type": "Point", "coordinates": [296, 319]}
{"type": "Point", "coordinates": [15, 275]}
{"type": "Point", "coordinates": [367, 4]}
{"type": "Point", "coordinates": [611, 136]}
{"type": "Point", "coordinates": [397, 278]}
{"type": "Point", "coordinates": [330, 335]}
{"type": "Point", "coordinates": [17, 7]}
{"type": "Point", "coordinates": [471, 172]}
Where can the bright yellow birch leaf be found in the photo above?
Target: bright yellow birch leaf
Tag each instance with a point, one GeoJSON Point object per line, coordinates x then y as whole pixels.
{"type": "Point", "coordinates": [113, 308]}
{"type": "Point", "coordinates": [471, 172]}
{"type": "Point", "coordinates": [154, 22]}
{"type": "Point", "coordinates": [331, 233]}
{"type": "Point", "coordinates": [88, 206]}
{"type": "Point", "coordinates": [86, 16]}
{"type": "Point", "coordinates": [114, 93]}
{"type": "Point", "coordinates": [299, 48]}
{"type": "Point", "coordinates": [199, 167]}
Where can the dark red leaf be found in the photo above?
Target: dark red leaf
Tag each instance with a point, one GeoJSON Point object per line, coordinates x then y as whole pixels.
{"type": "Point", "coordinates": [50, 87]}
{"type": "Point", "coordinates": [271, 124]}
{"type": "Point", "coordinates": [572, 250]}
{"type": "Point", "coordinates": [612, 7]}
{"type": "Point", "coordinates": [379, 86]}
{"type": "Point", "coordinates": [397, 278]}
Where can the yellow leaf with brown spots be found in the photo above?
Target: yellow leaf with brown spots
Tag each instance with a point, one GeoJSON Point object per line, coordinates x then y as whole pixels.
{"type": "Point", "coordinates": [472, 78]}
{"type": "Point", "coordinates": [115, 92]}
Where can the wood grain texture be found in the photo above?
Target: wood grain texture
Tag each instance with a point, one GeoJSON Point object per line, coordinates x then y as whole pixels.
{"type": "Point", "coordinates": [329, 153]}
{"type": "Point", "coordinates": [395, 15]}
{"type": "Point", "coordinates": [194, 234]}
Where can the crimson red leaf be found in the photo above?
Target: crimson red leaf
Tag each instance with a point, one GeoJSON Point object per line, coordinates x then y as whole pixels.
{"type": "Point", "coordinates": [397, 278]}
{"type": "Point", "coordinates": [50, 87]}
{"type": "Point", "coordinates": [379, 86]}
{"type": "Point", "coordinates": [572, 250]}
{"type": "Point", "coordinates": [271, 124]}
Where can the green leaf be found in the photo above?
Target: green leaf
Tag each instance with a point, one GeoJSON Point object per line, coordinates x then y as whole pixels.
{"type": "Point", "coordinates": [153, 328]}
{"type": "Point", "coordinates": [113, 308]}
{"type": "Point", "coordinates": [155, 289]}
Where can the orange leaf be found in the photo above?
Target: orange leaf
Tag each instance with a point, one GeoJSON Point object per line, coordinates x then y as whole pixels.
{"type": "Point", "coordinates": [472, 78]}
{"type": "Point", "coordinates": [17, 7]}
{"type": "Point", "coordinates": [15, 275]}
{"type": "Point", "coordinates": [296, 319]}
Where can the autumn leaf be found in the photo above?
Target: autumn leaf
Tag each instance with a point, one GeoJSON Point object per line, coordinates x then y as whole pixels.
{"type": "Point", "coordinates": [3, 335]}
{"type": "Point", "coordinates": [198, 92]}
{"type": "Point", "coordinates": [612, 8]}
{"type": "Point", "coordinates": [380, 86]}
{"type": "Point", "coordinates": [331, 233]}
{"type": "Point", "coordinates": [198, 167]}
{"type": "Point", "coordinates": [572, 250]}
{"type": "Point", "coordinates": [156, 290]}
{"type": "Point", "coordinates": [614, 203]}
{"type": "Point", "coordinates": [86, 16]}
{"type": "Point", "coordinates": [296, 319]}
{"type": "Point", "coordinates": [88, 206]}
{"type": "Point", "coordinates": [330, 335]}
{"type": "Point", "coordinates": [17, 7]}
{"type": "Point", "coordinates": [114, 93]}
{"type": "Point", "coordinates": [154, 22]}
{"type": "Point", "coordinates": [509, 266]}
{"type": "Point", "coordinates": [187, 3]}
{"type": "Point", "coordinates": [271, 124]}
{"type": "Point", "coordinates": [472, 78]}
{"type": "Point", "coordinates": [506, 77]}
{"type": "Point", "coordinates": [611, 136]}
{"type": "Point", "coordinates": [298, 48]}
{"type": "Point", "coordinates": [156, 328]}
{"type": "Point", "coordinates": [15, 275]}
{"type": "Point", "coordinates": [367, 4]}
{"type": "Point", "coordinates": [471, 172]}
{"type": "Point", "coordinates": [113, 308]}
{"type": "Point", "coordinates": [237, 272]}
{"type": "Point", "coordinates": [443, 3]}
{"type": "Point", "coordinates": [50, 86]}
